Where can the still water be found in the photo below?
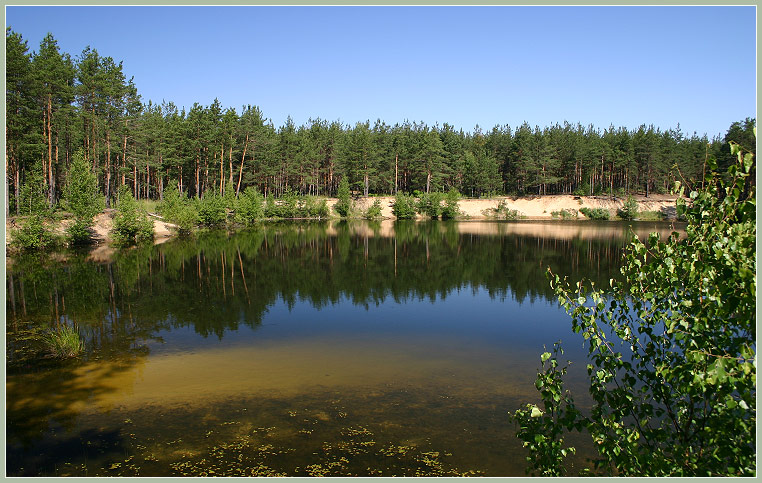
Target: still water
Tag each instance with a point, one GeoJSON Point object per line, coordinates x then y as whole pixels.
{"type": "Point", "coordinates": [393, 348]}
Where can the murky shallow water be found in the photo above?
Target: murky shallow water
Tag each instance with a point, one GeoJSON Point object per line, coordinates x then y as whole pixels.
{"type": "Point", "coordinates": [317, 349]}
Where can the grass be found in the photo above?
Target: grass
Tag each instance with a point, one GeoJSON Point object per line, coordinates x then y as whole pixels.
{"type": "Point", "coordinates": [64, 342]}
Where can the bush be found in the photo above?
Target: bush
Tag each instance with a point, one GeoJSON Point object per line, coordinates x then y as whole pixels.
{"type": "Point", "coordinates": [451, 210]}
{"type": "Point", "coordinates": [131, 224]}
{"type": "Point", "coordinates": [33, 235]}
{"type": "Point", "coordinates": [32, 199]}
{"type": "Point", "coordinates": [78, 233]}
{"type": "Point", "coordinates": [430, 204]}
{"type": "Point", "coordinates": [404, 207]}
{"type": "Point", "coordinates": [315, 208]}
{"type": "Point", "coordinates": [64, 342]}
{"type": "Point", "coordinates": [671, 349]}
{"type": "Point", "coordinates": [582, 190]}
{"type": "Point", "coordinates": [595, 213]}
{"type": "Point", "coordinates": [629, 211]}
{"type": "Point", "coordinates": [249, 207]}
{"type": "Point", "coordinates": [374, 211]}
{"type": "Point", "coordinates": [212, 209]}
{"type": "Point", "coordinates": [344, 204]}
{"type": "Point", "coordinates": [179, 210]}
{"type": "Point", "coordinates": [271, 208]}
{"type": "Point", "coordinates": [502, 212]}
{"type": "Point", "coordinates": [565, 214]}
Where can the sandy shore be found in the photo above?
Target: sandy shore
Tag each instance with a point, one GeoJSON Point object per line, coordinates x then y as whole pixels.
{"type": "Point", "coordinates": [537, 207]}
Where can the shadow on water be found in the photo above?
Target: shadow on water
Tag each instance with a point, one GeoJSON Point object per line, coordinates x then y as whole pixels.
{"type": "Point", "coordinates": [302, 349]}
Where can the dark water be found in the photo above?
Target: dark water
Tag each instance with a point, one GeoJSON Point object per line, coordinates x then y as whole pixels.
{"type": "Point", "coordinates": [311, 349]}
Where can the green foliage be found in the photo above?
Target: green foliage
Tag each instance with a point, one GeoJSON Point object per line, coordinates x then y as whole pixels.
{"type": "Point", "coordinates": [582, 190]}
{"type": "Point", "coordinates": [374, 211]}
{"type": "Point", "coordinates": [178, 210]}
{"type": "Point", "coordinates": [78, 233]}
{"type": "Point", "coordinates": [312, 207]}
{"type": "Point", "coordinates": [271, 208]}
{"type": "Point", "coordinates": [344, 204]}
{"type": "Point", "coordinates": [565, 214]}
{"type": "Point", "coordinates": [502, 212]}
{"type": "Point", "coordinates": [404, 207]}
{"type": "Point", "coordinates": [33, 235]}
{"type": "Point", "coordinates": [32, 194]}
{"type": "Point", "coordinates": [451, 210]}
{"type": "Point", "coordinates": [595, 213]}
{"type": "Point", "coordinates": [249, 207]}
{"type": "Point", "coordinates": [212, 209]}
{"type": "Point", "coordinates": [629, 211]}
{"type": "Point", "coordinates": [131, 223]}
{"type": "Point", "coordinates": [671, 348]}
{"type": "Point", "coordinates": [543, 430]}
{"type": "Point", "coordinates": [81, 196]}
{"type": "Point", "coordinates": [430, 204]}
{"type": "Point", "coordinates": [64, 342]}
{"type": "Point", "coordinates": [651, 216]}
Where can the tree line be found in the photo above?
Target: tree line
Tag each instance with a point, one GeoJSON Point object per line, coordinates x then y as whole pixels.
{"type": "Point", "coordinates": [59, 106]}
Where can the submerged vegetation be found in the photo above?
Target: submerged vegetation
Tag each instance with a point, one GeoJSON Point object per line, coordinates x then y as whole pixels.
{"type": "Point", "coordinates": [671, 348]}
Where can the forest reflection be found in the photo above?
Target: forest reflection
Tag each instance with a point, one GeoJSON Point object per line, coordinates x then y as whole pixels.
{"type": "Point", "coordinates": [218, 280]}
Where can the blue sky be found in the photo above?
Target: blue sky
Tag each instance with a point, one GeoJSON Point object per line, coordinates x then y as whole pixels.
{"type": "Point", "coordinates": [462, 65]}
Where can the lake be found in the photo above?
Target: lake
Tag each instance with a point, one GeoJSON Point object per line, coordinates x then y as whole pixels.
{"type": "Point", "coordinates": [342, 348]}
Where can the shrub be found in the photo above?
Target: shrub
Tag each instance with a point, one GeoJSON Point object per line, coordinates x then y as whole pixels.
{"type": "Point", "coordinates": [451, 210]}
{"type": "Point", "coordinates": [249, 207]}
{"type": "Point", "coordinates": [430, 204]}
{"type": "Point", "coordinates": [344, 204]}
{"type": "Point", "coordinates": [271, 208]}
{"type": "Point", "coordinates": [629, 211]}
{"type": "Point", "coordinates": [32, 199]}
{"type": "Point", "coordinates": [502, 212]}
{"type": "Point", "coordinates": [404, 207]}
{"type": "Point", "coordinates": [315, 208]}
{"type": "Point", "coordinates": [33, 235]}
{"type": "Point", "coordinates": [290, 206]}
{"type": "Point", "coordinates": [374, 211]}
{"type": "Point", "coordinates": [81, 196]}
{"type": "Point", "coordinates": [595, 213]}
{"type": "Point", "coordinates": [651, 216]}
{"type": "Point", "coordinates": [671, 350]}
{"type": "Point", "coordinates": [582, 190]}
{"type": "Point", "coordinates": [565, 214]}
{"type": "Point", "coordinates": [131, 224]}
{"type": "Point", "coordinates": [64, 342]}
{"type": "Point", "coordinates": [212, 209]}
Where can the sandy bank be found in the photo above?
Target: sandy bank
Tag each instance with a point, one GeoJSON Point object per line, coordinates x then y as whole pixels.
{"type": "Point", "coordinates": [537, 207]}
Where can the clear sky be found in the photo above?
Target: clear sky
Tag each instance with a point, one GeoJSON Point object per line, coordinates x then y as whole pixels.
{"type": "Point", "coordinates": [626, 66]}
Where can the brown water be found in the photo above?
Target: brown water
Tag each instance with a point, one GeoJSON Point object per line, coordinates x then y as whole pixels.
{"type": "Point", "coordinates": [317, 349]}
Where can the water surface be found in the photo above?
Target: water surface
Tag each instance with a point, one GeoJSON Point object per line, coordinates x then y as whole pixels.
{"type": "Point", "coordinates": [297, 349]}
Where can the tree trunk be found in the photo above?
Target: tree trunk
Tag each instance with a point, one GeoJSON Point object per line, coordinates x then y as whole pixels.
{"type": "Point", "coordinates": [108, 164]}
{"type": "Point", "coordinates": [395, 174]}
{"type": "Point", "coordinates": [230, 163]}
{"type": "Point", "coordinates": [51, 181]}
{"type": "Point", "coordinates": [240, 171]}
{"type": "Point", "coordinates": [222, 166]}
{"type": "Point", "coordinates": [7, 198]}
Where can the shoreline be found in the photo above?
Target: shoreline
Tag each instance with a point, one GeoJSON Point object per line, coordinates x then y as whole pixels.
{"type": "Point", "coordinates": [537, 208]}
